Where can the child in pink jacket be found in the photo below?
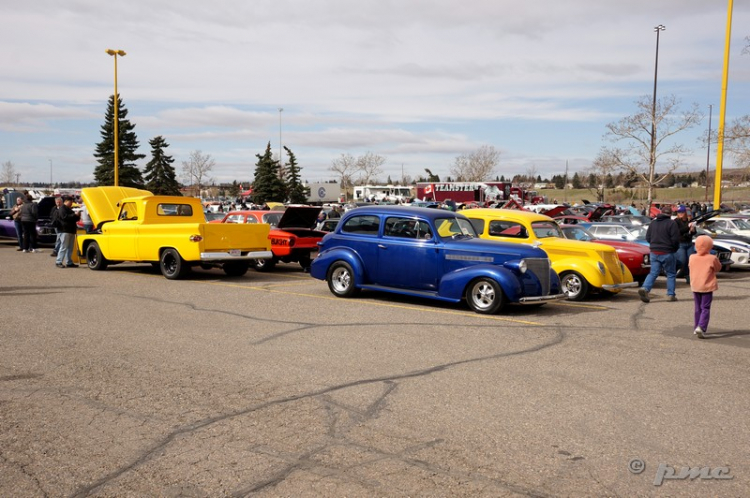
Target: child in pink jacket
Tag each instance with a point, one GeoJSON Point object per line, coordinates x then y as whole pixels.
{"type": "Point", "coordinates": [703, 268]}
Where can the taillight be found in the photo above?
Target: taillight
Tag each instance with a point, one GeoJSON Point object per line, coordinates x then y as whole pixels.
{"type": "Point", "coordinates": [291, 242]}
{"type": "Point", "coordinates": [195, 238]}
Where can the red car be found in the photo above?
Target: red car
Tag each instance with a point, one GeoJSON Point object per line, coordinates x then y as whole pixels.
{"type": "Point", "coordinates": [292, 237]}
{"type": "Point", "coordinates": [635, 256]}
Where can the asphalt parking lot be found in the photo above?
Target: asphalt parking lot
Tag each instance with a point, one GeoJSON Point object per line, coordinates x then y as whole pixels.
{"type": "Point", "coordinates": [122, 383]}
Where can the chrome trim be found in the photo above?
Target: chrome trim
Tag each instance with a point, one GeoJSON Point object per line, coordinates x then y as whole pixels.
{"type": "Point", "coordinates": [620, 286]}
{"type": "Point", "coordinates": [536, 299]}
{"type": "Point", "coordinates": [217, 256]}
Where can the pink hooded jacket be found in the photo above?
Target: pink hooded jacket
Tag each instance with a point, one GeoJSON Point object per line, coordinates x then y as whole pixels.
{"type": "Point", "coordinates": [704, 266]}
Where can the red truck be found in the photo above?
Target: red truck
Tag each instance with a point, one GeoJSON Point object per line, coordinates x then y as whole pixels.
{"type": "Point", "coordinates": [463, 192]}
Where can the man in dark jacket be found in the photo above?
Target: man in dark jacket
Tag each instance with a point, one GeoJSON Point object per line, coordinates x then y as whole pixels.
{"type": "Point", "coordinates": [663, 237]}
{"type": "Point", "coordinates": [68, 220]}
{"type": "Point", "coordinates": [56, 224]}
{"type": "Point", "coordinates": [686, 242]}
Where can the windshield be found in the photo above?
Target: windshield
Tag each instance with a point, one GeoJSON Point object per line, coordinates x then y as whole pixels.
{"type": "Point", "coordinates": [577, 233]}
{"type": "Point", "coordinates": [543, 229]}
{"type": "Point", "coordinates": [742, 224]}
{"type": "Point", "coordinates": [639, 232]}
{"type": "Point", "coordinates": [272, 218]}
{"type": "Point", "coordinates": [453, 227]}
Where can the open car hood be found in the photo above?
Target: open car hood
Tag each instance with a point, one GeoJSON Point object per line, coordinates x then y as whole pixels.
{"type": "Point", "coordinates": [705, 217]}
{"type": "Point", "coordinates": [101, 202]}
{"type": "Point", "coordinates": [299, 217]}
{"type": "Point", "coordinates": [44, 207]}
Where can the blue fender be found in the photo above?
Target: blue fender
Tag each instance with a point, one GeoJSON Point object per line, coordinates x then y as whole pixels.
{"type": "Point", "coordinates": [320, 265]}
{"type": "Point", "coordinates": [453, 284]}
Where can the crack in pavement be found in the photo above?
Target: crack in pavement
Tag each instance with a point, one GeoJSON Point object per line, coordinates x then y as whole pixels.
{"type": "Point", "coordinates": [148, 454]}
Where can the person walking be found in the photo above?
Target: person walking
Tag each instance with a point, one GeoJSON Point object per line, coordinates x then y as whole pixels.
{"type": "Point", "coordinates": [703, 268]}
{"type": "Point", "coordinates": [663, 237]}
{"type": "Point", "coordinates": [55, 222]}
{"type": "Point", "coordinates": [15, 213]}
{"type": "Point", "coordinates": [686, 242]}
{"type": "Point", "coordinates": [29, 217]}
{"type": "Point", "coordinates": [68, 220]}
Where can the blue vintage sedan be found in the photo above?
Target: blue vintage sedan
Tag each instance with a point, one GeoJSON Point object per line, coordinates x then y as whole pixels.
{"type": "Point", "coordinates": [431, 253]}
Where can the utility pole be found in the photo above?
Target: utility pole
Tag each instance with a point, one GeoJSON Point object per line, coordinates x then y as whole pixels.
{"type": "Point", "coordinates": [708, 152]}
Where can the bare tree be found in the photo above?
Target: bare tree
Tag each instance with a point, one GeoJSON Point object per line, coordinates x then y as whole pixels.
{"type": "Point", "coordinates": [345, 166]}
{"type": "Point", "coordinates": [477, 166]}
{"type": "Point", "coordinates": [603, 166]}
{"type": "Point", "coordinates": [737, 143]}
{"type": "Point", "coordinates": [196, 169]}
{"type": "Point", "coordinates": [8, 174]}
{"type": "Point", "coordinates": [637, 154]}
{"type": "Point", "coordinates": [369, 167]}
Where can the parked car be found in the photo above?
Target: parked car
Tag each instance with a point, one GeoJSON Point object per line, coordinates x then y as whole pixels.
{"type": "Point", "coordinates": [212, 217]}
{"type": "Point", "coordinates": [431, 253]}
{"type": "Point", "coordinates": [45, 232]}
{"type": "Point", "coordinates": [618, 231]}
{"type": "Point", "coordinates": [583, 267]}
{"type": "Point", "coordinates": [729, 224]}
{"type": "Point", "coordinates": [636, 257]}
{"type": "Point", "coordinates": [328, 225]}
{"type": "Point", "coordinates": [629, 219]}
{"type": "Point", "coordinates": [293, 238]}
{"type": "Point", "coordinates": [251, 216]}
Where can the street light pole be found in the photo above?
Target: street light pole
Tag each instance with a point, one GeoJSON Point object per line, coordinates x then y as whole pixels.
{"type": "Point", "coordinates": [708, 152]}
{"type": "Point", "coordinates": [50, 173]}
{"type": "Point", "coordinates": [281, 157]}
{"type": "Point", "coordinates": [652, 162]}
{"type": "Point", "coordinates": [115, 53]}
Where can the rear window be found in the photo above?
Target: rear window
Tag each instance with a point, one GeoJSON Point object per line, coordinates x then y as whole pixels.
{"type": "Point", "coordinates": [363, 224]}
{"type": "Point", "coordinates": [174, 210]}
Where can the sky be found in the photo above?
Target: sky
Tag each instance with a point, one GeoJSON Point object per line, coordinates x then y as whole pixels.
{"type": "Point", "coordinates": [419, 82]}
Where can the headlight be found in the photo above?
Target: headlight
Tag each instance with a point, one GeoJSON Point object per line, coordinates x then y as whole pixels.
{"type": "Point", "coordinates": [737, 249]}
{"type": "Point", "coordinates": [646, 259]}
{"type": "Point", "coordinates": [522, 266]}
{"type": "Point", "coordinates": [622, 268]}
{"type": "Point", "coordinates": [600, 265]}
{"type": "Point", "coordinates": [516, 265]}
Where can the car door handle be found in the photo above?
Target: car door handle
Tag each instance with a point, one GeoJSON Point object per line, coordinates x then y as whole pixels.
{"type": "Point", "coordinates": [381, 246]}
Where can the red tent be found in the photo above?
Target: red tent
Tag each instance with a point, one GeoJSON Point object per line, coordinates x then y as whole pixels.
{"type": "Point", "coordinates": [246, 192]}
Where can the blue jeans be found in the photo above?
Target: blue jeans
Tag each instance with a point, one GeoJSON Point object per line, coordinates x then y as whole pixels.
{"type": "Point", "coordinates": [58, 233]}
{"type": "Point", "coordinates": [683, 256]}
{"type": "Point", "coordinates": [19, 231]}
{"type": "Point", "coordinates": [669, 263]}
{"type": "Point", "coordinates": [65, 254]}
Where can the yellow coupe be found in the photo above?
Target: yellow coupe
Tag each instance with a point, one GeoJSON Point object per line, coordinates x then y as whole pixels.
{"type": "Point", "coordinates": [583, 267]}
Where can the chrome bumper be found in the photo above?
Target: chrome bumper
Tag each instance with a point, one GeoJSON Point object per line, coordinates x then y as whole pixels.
{"type": "Point", "coordinates": [537, 299]}
{"type": "Point", "coordinates": [620, 286]}
{"type": "Point", "coordinates": [226, 256]}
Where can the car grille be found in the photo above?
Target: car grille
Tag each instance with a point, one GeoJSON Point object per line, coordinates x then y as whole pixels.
{"type": "Point", "coordinates": [540, 268]}
{"type": "Point", "coordinates": [612, 264]}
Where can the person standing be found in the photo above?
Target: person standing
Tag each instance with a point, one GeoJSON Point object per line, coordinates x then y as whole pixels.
{"type": "Point", "coordinates": [703, 268]}
{"type": "Point", "coordinates": [15, 213]}
{"type": "Point", "coordinates": [55, 222]}
{"type": "Point", "coordinates": [686, 241]}
{"type": "Point", "coordinates": [663, 237]}
{"type": "Point", "coordinates": [29, 217]}
{"type": "Point", "coordinates": [68, 220]}
{"type": "Point", "coordinates": [88, 225]}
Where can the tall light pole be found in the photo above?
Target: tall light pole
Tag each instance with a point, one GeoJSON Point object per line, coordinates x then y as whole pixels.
{"type": "Point", "coordinates": [50, 173]}
{"type": "Point", "coordinates": [708, 152]}
{"type": "Point", "coordinates": [115, 53]}
{"type": "Point", "coordinates": [281, 158]}
{"type": "Point", "coordinates": [722, 111]}
{"type": "Point", "coordinates": [652, 159]}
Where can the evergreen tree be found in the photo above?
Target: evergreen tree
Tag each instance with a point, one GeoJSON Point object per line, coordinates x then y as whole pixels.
{"type": "Point", "coordinates": [296, 190]}
{"type": "Point", "coordinates": [576, 181]}
{"type": "Point", "coordinates": [128, 173]}
{"type": "Point", "coordinates": [159, 174]}
{"type": "Point", "coordinates": [267, 186]}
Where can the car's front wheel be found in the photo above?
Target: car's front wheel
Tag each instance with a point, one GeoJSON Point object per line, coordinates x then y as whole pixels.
{"type": "Point", "coordinates": [574, 285]}
{"type": "Point", "coordinates": [485, 296]}
{"type": "Point", "coordinates": [172, 265]}
{"type": "Point", "coordinates": [94, 258]}
{"type": "Point", "coordinates": [341, 280]}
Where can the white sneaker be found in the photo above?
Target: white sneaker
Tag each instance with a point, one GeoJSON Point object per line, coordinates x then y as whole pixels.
{"type": "Point", "coordinates": [24, 250]}
{"type": "Point", "coordinates": [699, 332]}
